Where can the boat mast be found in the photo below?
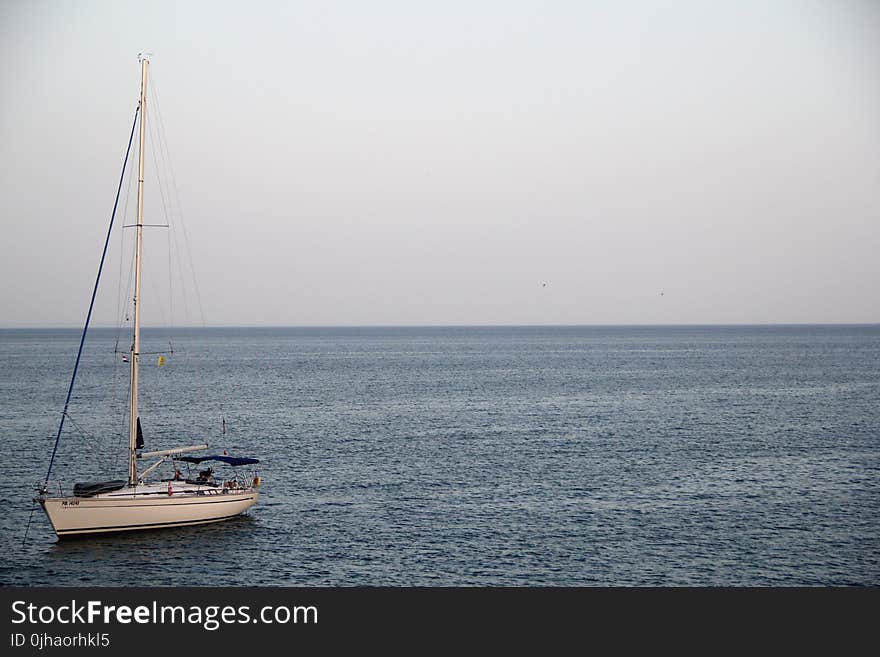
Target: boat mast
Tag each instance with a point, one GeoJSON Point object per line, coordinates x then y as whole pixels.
{"type": "Point", "coordinates": [136, 341]}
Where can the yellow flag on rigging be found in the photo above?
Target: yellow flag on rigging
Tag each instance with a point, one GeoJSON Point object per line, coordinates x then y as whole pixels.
{"type": "Point", "coordinates": [161, 361]}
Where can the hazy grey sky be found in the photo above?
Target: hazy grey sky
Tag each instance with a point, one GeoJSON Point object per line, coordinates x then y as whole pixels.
{"type": "Point", "coordinates": [437, 163]}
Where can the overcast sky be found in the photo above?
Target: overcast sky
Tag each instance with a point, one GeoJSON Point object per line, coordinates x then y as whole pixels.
{"type": "Point", "coordinates": [347, 163]}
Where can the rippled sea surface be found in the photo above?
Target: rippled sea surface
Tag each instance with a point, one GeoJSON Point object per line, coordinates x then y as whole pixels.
{"type": "Point", "coordinates": [470, 456]}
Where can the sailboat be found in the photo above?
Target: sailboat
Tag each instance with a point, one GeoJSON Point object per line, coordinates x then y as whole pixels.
{"type": "Point", "coordinates": [136, 503]}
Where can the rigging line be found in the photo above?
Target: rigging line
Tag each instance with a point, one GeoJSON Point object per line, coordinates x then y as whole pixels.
{"type": "Point", "coordinates": [176, 197]}
{"type": "Point", "coordinates": [124, 305]}
{"type": "Point", "coordinates": [154, 139]}
{"type": "Point", "coordinates": [126, 411]}
{"type": "Point", "coordinates": [128, 292]}
{"type": "Point", "coordinates": [170, 277]}
{"type": "Point", "coordinates": [179, 262]}
{"type": "Point", "coordinates": [174, 256]}
{"type": "Point", "coordinates": [175, 212]}
{"type": "Point", "coordinates": [169, 216]}
{"type": "Point", "coordinates": [124, 317]}
{"type": "Point", "coordinates": [121, 391]}
{"type": "Point", "coordinates": [129, 296]}
{"type": "Point", "coordinates": [159, 306]}
{"type": "Point", "coordinates": [119, 293]}
{"type": "Point", "coordinates": [92, 302]}
{"type": "Point", "coordinates": [28, 527]}
{"type": "Point", "coordinates": [80, 429]}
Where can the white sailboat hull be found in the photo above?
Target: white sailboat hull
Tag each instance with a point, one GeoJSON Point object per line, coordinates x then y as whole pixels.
{"type": "Point", "coordinates": [145, 507]}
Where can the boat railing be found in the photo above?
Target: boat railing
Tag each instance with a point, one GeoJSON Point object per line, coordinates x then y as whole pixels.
{"type": "Point", "coordinates": [44, 488]}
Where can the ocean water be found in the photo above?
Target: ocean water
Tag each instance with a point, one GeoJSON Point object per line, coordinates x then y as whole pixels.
{"type": "Point", "coordinates": [530, 456]}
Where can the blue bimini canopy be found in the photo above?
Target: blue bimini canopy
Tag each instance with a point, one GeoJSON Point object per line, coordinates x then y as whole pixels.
{"type": "Point", "coordinates": [231, 460]}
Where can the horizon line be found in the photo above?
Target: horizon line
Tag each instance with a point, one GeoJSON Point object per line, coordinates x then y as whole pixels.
{"type": "Point", "coordinates": [456, 325]}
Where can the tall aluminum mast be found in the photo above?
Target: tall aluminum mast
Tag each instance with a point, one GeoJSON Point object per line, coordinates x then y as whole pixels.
{"type": "Point", "coordinates": [136, 341]}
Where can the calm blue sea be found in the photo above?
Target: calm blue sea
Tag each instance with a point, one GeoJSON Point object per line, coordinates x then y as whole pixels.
{"type": "Point", "coordinates": [470, 456]}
